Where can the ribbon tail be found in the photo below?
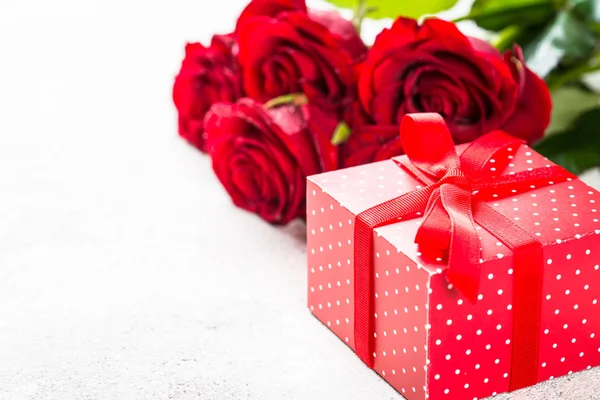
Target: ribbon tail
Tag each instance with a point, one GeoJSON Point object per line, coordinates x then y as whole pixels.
{"type": "Point", "coordinates": [528, 276]}
{"type": "Point", "coordinates": [433, 236]}
{"type": "Point", "coordinates": [464, 257]}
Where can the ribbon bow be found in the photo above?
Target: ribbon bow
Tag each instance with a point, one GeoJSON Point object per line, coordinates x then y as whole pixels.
{"type": "Point", "coordinates": [452, 201]}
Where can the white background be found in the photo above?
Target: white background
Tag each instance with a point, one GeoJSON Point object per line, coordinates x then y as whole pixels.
{"type": "Point", "coordinates": [125, 272]}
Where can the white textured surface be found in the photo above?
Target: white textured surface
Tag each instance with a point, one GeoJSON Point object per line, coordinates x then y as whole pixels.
{"type": "Point", "coordinates": [125, 272]}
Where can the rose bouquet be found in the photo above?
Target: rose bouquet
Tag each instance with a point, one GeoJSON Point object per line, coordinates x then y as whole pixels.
{"type": "Point", "coordinates": [294, 92]}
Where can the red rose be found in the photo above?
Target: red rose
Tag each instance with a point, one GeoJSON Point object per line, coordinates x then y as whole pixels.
{"type": "Point", "coordinates": [532, 113]}
{"type": "Point", "coordinates": [263, 156]}
{"type": "Point", "coordinates": [294, 52]}
{"type": "Point", "coordinates": [208, 75]}
{"type": "Point", "coordinates": [433, 67]}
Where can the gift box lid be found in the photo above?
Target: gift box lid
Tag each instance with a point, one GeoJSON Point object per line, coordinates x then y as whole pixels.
{"type": "Point", "coordinates": [554, 213]}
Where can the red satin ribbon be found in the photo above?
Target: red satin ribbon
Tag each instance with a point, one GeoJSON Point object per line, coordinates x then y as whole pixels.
{"type": "Point", "coordinates": [452, 202]}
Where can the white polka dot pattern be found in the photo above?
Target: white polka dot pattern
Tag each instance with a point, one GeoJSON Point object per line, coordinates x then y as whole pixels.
{"type": "Point", "coordinates": [479, 339]}
{"type": "Point", "coordinates": [331, 269]}
{"type": "Point", "coordinates": [401, 326]}
{"type": "Point", "coordinates": [430, 342]}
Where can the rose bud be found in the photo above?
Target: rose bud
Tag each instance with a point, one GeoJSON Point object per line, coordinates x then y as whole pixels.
{"type": "Point", "coordinates": [207, 75]}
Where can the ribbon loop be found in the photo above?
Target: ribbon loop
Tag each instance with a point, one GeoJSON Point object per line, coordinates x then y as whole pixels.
{"type": "Point", "coordinates": [434, 153]}
{"type": "Point", "coordinates": [495, 149]}
{"type": "Point", "coordinates": [434, 234]}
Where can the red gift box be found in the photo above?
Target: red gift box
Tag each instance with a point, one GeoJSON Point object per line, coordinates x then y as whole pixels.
{"type": "Point", "coordinates": [430, 338]}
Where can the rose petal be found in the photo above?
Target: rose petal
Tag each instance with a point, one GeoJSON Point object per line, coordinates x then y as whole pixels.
{"type": "Point", "coordinates": [349, 38]}
{"type": "Point", "coordinates": [533, 111]}
{"type": "Point", "coordinates": [482, 46]}
{"type": "Point", "coordinates": [269, 8]}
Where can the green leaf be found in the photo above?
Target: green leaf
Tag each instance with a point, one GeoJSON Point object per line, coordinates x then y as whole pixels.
{"type": "Point", "coordinates": [568, 104]}
{"type": "Point", "coordinates": [395, 8]}
{"type": "Point", "coordinates": [578, 148]}
{"type": "Point", "coordinates": [588, 10]}
{"type": "Point", "coordinates": [507, 37]}
{"type": "Point", "coordinates": [510, 35]}
{"type": "Point", "coordinates": [341, 134]}
{"type": "Point", "coordinates": [566, 40]}
{"type": "Point", "coordinates": [575, 73]}
{"type": "Point", "coordinates": [495, 15]}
